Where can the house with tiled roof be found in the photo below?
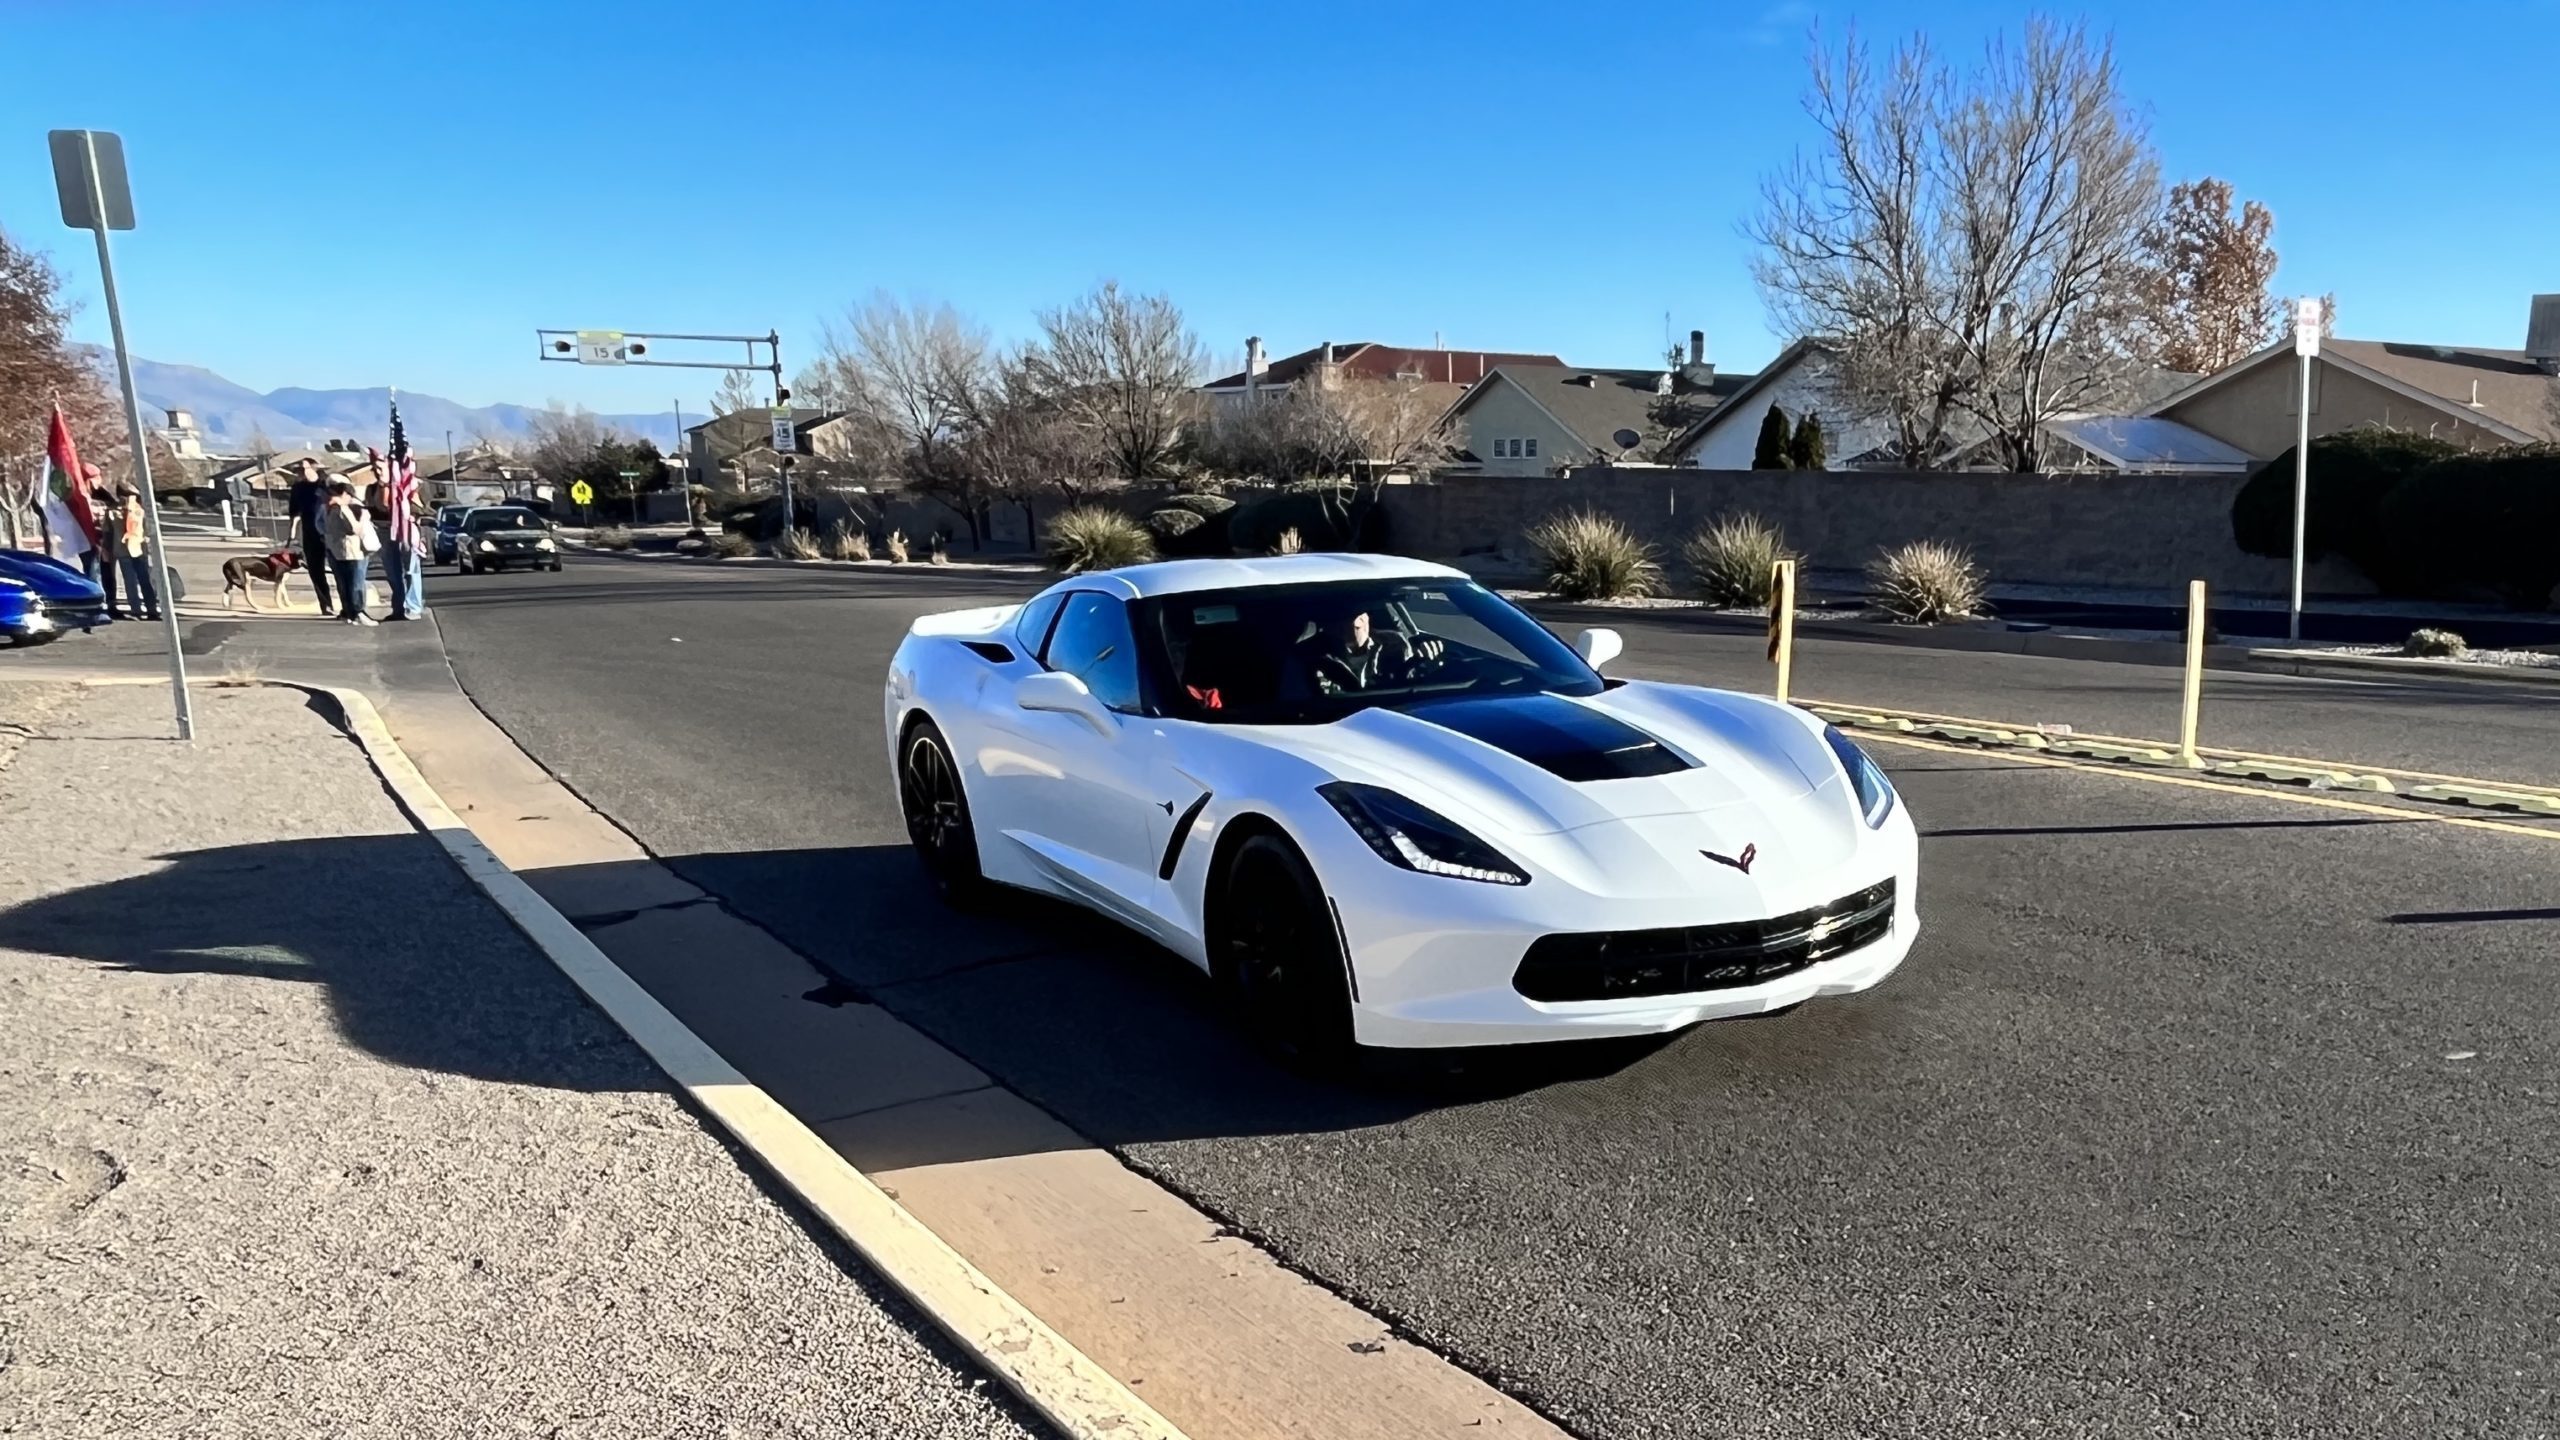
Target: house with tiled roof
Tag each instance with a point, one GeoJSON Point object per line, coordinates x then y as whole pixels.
{"type": "Point", "coordinates": [1362, 360]}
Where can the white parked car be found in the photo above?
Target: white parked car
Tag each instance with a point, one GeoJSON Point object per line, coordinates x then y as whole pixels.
{"type": "Point", "coordinates": [1390, 809]}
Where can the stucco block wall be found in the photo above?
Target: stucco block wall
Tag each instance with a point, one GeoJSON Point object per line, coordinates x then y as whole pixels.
{"type": "Point", "coordinates": [2154, 532]}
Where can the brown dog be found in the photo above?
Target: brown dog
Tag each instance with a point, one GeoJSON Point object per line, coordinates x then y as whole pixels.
{"type": "Point", "coordinates": [269, 569]}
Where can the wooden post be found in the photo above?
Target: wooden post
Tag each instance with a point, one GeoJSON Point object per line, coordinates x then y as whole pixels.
{"type": "Point", "coordinates": [2193, 703]}
{"type": "Point", "coordinates": [1782, 624]}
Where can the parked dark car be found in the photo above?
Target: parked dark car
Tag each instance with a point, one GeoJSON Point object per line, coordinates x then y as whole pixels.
{"type": "Point", "coordinates": [40, 597]}
{"type": "Point", "coordinates": [448, 527]}
{"type": "Point", "coordinates": [499, 537]}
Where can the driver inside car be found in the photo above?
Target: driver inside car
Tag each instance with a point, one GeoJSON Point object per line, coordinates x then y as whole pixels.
{"type": "Point", "coordinates": [1352, 656]}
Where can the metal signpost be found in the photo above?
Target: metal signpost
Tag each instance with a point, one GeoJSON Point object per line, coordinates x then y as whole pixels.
{"type": "Point", "coordinates": [88, 173]}
{"type": "Point", "coordinates": [2307, 316]}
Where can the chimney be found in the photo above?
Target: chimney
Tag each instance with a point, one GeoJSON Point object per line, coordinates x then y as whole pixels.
{"type": "Point", "coordinates": [1328, 352]}
{"type": "Point", "coordinates": [2542, 334]}
{"type": "Point", "coordinates": [1254, 365]}
{"type": "Point", "coordinates": [1698, 374]}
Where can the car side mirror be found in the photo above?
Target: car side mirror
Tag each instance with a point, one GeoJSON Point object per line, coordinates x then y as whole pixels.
{"type": "Point", "coordinates": [1598, 647]}
{"type": "Point", "coordinates": [1063, 694]}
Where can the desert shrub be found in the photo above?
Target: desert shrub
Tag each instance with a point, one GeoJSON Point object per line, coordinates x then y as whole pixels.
{"type": "Point", "coordinates": [795, 544]}
{"type": "Point", "coordinates": [2351, 474]}
{"type": "Point", "coordinates": [1184, 532]}
{"type": "Point", "coordinates": [1733, 557]}
{"type": "Point", "coordinates": [1288, 543]}
{"type": "Point", "coordinates": [1201, 503]}
{"type": "Point", "coordinates": [938, 550]}
{"type": "Point", "coordinates": [845, 542]}
{"type": "Point", "coordinates": [1094, 537]}
{"type": "Point", "coordinates": [897, 547]}
{"type": "Point", "coordinates": [733, 546]}
{"type": "Point", "coordinates": [2477, 521]}
{"type": "Point", "coordinates": [1326, 515]}
{"type": "Point", "coordinates": [1590, 556]}
{"type": "Point", "coordinates": [610, 537]}
{"type": "Point", "coordinates": [2435, 644]}
{"type": "Point", "coordinates": [1925, 582]}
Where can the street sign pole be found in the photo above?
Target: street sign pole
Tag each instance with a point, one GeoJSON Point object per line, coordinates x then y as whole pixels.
{"type": "Point", "coordinates": [84, 153]}
{"type": "Point", "coordinates": [2307, 315]}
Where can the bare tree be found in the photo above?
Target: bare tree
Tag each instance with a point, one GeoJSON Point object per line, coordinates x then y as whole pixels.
{"type": "Point", "coordinates": [1021, 447]}
{"type": "Point", "coordinates": [1332, 430]}
{"type": "Point", "coordinates": [908, 371]}
{"type": "Point", "coordinates": [2204, 300]}
{"type": "Point", "coordinates": [737, 392]}
{"type": "Point", "coordinates": [1123, 366]}
{"type": "Point", "coordinates": [1965, 246]}
{"type": "Point", "coordinates": [560, 441]}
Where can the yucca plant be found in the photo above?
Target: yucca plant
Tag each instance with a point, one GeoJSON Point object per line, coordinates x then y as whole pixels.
{"type": "Point", "coordinates": [610, 537]}
{"type": "Point", "coordinates": [1734, 559]}
{"type": "Point", "coordinates": [938, 550]}
{"type": "Point", "coordinates": [733, 546]}
{"type": "Point", "coordinates": [1093, 537]}
{"type": "Point", "coordinates": [1590, 556]}
{"type": "Point", "coordinates": [795, 544]}
{"type": "Point", "coordinates": [1926, 582]}
{"type": "Point", "coordinates": [897, 547]}
{"type": "Point", "coordinates": [1289, 543]}
{"type": "Point", "coordinates": [844, 542]}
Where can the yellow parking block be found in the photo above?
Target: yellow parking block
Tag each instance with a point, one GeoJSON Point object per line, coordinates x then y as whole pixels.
{"type": "Point", "coordinates": [2486, 798]}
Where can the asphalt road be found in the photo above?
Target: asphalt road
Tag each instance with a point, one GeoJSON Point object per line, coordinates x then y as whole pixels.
{"type": "Point", "coordinates": [2219, 1113]}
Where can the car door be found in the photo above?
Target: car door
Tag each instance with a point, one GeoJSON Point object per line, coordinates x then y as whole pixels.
{"type": "Point", "coordinates": [1077, 796]}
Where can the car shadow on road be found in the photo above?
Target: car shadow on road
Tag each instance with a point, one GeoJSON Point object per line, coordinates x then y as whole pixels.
{"type": "Point", "coordinates": [417, 967]}
{"type": "Point", "coordinates": [1125, 1041]}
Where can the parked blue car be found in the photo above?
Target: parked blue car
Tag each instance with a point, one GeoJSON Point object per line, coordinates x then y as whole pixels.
{"type": "Point", "coordinates": [40, 597]}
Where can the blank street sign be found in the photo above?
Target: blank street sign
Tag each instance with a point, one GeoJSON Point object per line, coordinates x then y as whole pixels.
{"type": "Point", "coordinates": [71, 151]}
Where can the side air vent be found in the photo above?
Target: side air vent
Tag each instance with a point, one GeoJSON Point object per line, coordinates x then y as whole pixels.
{"type": "Point", "coordinates": [990, 650]}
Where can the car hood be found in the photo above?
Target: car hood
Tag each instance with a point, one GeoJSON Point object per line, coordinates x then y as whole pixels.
{"type": "Point", "coordinates": [48, 577]}
{"type": "Point", "coordinates": [1545, 764]}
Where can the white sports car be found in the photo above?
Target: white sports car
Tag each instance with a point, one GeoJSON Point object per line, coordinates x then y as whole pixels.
{"type": "Point", "coordinates": [1390, 809]}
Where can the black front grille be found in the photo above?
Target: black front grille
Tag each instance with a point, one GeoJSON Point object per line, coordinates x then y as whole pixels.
{"type": "Point", "coordinates": [1626, 964]}
{"type": "Point", "coordinates": [72, 612]}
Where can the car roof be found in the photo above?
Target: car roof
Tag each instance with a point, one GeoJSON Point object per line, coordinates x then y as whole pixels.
{"type": "Point", "coordinates": [1182, 577]}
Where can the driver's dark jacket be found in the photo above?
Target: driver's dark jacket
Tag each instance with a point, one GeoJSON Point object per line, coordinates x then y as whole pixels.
{"type": "Point", "coordinates": [1340, 669]}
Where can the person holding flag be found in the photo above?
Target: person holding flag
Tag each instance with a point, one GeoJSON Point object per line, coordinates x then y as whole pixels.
{"type": "Point", "coordinates": [395, 503]}
{"type": "Point", "coordinates": [70, 523]}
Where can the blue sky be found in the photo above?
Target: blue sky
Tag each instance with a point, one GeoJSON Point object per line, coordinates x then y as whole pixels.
{"type": "Point", "coordinates": [337, 195]}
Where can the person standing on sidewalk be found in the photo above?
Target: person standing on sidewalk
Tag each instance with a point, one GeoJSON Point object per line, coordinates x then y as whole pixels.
{"type": "Point", "coordinates": [99, 561]}
{"type": "Point", "coordinates": [308, 502]}
{"type": "Point", "coordinates": [395, 508]}
{"type": "Point", "coordinates": [131, 541]}
{"type": "Point", "coordinates": [352, 541]}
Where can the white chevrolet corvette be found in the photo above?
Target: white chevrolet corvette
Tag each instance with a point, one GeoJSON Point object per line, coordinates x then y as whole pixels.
{"type": "Point", "coordinates": [1390, 809]}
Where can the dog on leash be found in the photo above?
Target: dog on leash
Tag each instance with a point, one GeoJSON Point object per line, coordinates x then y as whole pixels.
{"type": "Point", "coordinates": [269, 569]}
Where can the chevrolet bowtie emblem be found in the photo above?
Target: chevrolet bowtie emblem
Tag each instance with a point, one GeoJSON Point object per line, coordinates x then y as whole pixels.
{"type": "Point", "coordinates": [1741, 862]}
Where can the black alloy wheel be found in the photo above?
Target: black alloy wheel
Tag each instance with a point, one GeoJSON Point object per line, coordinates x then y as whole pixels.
{"type": "Point", "coordinates": [937, 813]}
{"type": "Point", "coordinates": [1282, 958]}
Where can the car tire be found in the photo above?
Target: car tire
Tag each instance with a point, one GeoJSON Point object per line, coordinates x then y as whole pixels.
{"type": "Point", "coordinates": [465, 567]}
{"type": "Point", "coordinates": [1282, 958]}
{"type": "Point", "coordinates": [935, 804]}
{"type": "Point", "coordinates": [555, 567]}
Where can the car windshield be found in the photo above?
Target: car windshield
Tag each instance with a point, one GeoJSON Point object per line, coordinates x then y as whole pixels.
{"type": "Point", "coordinates": [451, 515]}
{"type": "Point", "coordinates": [1308, 654]}
{"type": "Point", "coordinates": [479, 520]}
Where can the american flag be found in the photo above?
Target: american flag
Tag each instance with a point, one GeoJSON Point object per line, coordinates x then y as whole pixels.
{"type": "Point", "coordinates": [402, 470]}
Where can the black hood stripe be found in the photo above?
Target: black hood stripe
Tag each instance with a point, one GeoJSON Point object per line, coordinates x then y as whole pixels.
{"type": "Point", "coordinates": [1569, 741]}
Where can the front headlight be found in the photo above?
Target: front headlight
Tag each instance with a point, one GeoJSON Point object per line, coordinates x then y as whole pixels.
{"type": "Point", "coordinates": [1875, 793]}
{"type": "Point", "coordinates": [1410, 837]}
{"type": "Point", "coordinates": [489, 545]}
{"type": "Point", "coordinates": [543, 543]}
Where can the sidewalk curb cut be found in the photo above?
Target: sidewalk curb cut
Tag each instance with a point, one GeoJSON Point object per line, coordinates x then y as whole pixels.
{"type": "Point", "coordinates": [1059, 1382]}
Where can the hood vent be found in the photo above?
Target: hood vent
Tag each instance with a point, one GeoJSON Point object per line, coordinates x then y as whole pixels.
{"type": "Point", "coordinates": [1569, 741]}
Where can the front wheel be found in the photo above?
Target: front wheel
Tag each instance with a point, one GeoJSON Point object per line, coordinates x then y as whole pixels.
{"type": "Point", "coordinates": [1283, 960]}
{"type": "Point", "coordinates": [937, 814]}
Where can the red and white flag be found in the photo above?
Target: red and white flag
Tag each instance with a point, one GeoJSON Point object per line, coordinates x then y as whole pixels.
{"type": "Point", "coordinates": [400, 470]}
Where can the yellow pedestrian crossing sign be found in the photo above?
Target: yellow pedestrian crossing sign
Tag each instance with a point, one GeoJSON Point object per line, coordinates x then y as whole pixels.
{"type": "Point", "coordinates": [582, 493]}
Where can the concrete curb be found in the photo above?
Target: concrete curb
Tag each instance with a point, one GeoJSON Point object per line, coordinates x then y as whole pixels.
{"type": "Point", "coordinates": [768, 562]}
{"type": "Point", "coordinates": [2366, 667]}
{"type": "Point", "coordinates": [1059, 1382]}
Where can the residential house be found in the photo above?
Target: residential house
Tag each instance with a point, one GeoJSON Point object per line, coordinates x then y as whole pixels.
{"type": "Point", "coordinates": [472, 478]}
{"type": "Point", "coordinates": [1525, 419]}
{"type": "Point", "coordinates": [2468, 394]}
{"type": "Point", "coordinates": [1360, 360]}
{"type": "Point", "coordinates": [741, 442]}
{"type": "Point", "coordinates": [1797, 383]}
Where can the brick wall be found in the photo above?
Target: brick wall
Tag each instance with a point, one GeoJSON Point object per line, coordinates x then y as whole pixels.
{"type": "Point", "coordinates": [2152, 531]}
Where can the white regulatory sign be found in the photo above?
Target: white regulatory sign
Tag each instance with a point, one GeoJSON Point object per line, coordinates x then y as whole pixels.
{"type": "Point", "coordinates": [2308, 313]}
{"type": "Point", "coordinates": [786, 440]}
{"type": "Point", "coordinates": [600, 347]}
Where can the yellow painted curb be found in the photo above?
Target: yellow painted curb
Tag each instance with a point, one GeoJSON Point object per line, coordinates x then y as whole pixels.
{"type": "Point", "coordinates": [2526, 801]}
{"type": "Point", "coordinates": [1055, 1379]}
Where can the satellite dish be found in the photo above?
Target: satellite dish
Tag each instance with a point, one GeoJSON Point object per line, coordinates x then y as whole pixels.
{"type": "Point", "coordinates": [1627, 439]}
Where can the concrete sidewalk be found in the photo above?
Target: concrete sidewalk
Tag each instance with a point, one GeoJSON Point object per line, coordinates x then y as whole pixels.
{"type": "Point", "coordinates": [298, 1137]}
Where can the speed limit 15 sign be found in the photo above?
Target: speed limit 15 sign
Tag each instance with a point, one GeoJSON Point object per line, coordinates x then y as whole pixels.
{"type": "Point", "coordinates": [600, 347]}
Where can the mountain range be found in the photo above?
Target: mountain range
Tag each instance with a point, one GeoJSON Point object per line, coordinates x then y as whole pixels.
{"type": "Point", "coordinates": [228, 413]}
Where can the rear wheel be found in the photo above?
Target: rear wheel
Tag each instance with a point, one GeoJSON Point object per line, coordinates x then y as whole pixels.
{"type": "Point", "coordinates": [937, 813]}
{"type": "Point", "coordinates": [1282, 959]}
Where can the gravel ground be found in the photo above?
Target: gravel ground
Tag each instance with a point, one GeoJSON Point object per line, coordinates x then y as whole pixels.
{"type": "Point", "coordinates": [2521, 659]}
{"type": "Point", "coordinates": [299, 1138]}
